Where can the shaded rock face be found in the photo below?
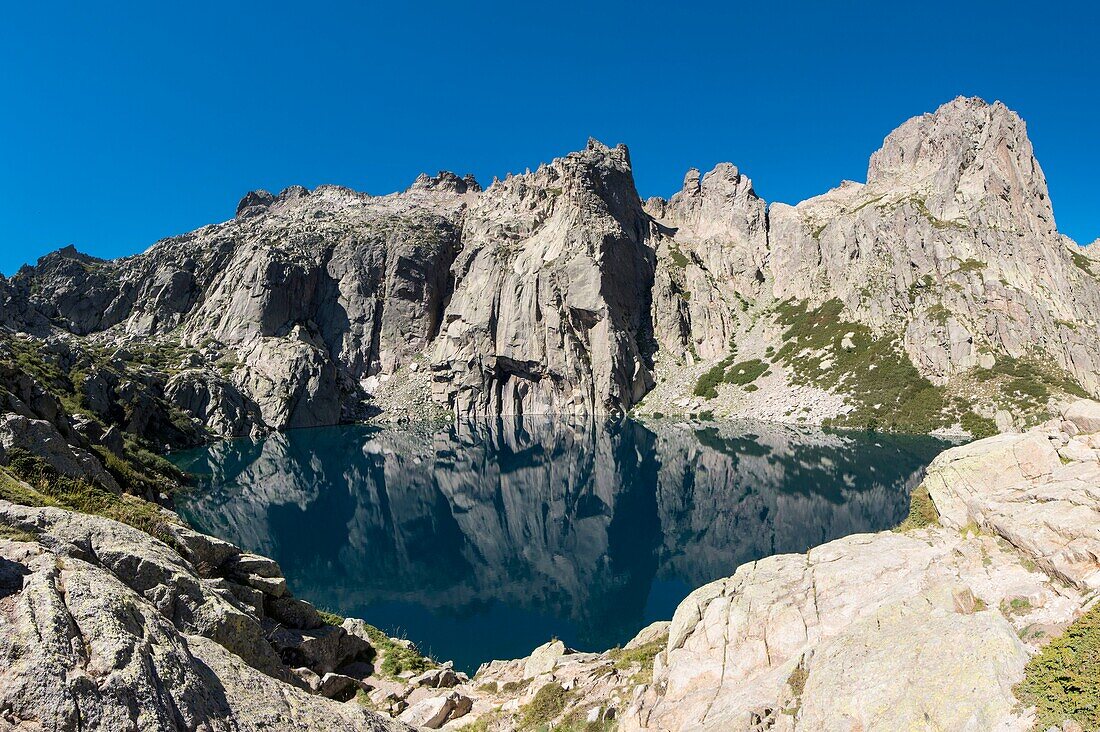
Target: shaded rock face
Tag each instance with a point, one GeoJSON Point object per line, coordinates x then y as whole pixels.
{"type": "Point", "coordinates": [550, 311]}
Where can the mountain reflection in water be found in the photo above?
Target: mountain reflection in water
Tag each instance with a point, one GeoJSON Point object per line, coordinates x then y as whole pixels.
{"type": "Point", "coordinates": [484, 540]}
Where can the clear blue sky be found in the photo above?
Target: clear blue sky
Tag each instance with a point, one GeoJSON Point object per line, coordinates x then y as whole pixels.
{"type": "Point", "coordinates": [121, 125]}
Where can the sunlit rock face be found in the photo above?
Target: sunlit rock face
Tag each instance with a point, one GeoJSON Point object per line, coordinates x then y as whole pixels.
{"type": "Point", "coordinates": [952, 243]}
{"type": "Point", "coordinates": [585, 522]}
{"type": "Point", "coordinates": [559, 292]}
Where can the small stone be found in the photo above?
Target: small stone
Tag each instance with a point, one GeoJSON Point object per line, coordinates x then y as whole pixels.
{"type": "Point", "coordinates": [308, 677]}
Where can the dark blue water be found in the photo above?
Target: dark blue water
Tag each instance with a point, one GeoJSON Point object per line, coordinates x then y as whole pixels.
{"type": "Point", "coordinates": [484, 541]}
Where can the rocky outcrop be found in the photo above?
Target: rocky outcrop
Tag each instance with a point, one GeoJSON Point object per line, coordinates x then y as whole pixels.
{"type": "Point", "coordinates": [811, 641]}
{"type": "Point", "coordinates": [306, 293]}
{"type": "Point", "coordinates": [214, 401]}
{"type": "Point", "coordinates": [107, 628]}
{"type": "Point", "coordinates": [712, 258]}
{"type": "Point", "coordinates": [41, 439]}
{"type": "Point", "coordinates": [550, 311]}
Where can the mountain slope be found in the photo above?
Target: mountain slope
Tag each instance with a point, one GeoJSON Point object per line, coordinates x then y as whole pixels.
{"type": "Point", "coordinates": [938, 295]}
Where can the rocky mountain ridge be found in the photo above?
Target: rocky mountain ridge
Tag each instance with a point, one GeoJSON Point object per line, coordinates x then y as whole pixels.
{"type": "Point", "coordinates": [559, 291]}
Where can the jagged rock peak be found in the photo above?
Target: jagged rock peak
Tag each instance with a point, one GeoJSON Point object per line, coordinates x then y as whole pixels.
{"type": "Point", "coordinates": [446, 181]}
{"type": "Point", "coordinates": [68, 252]}
{"type": "Point", "coordinates": [619, 153]}
{"type": "Point", "coordinates": [966, 152]}
{"type": "Point", "coordinates": [292, 193]}
{"type": "Point", "coordinates": [550, 308]}
{"type": "Point", "coordinates": [254, 203]}
{"type": "Point", "coordinates": [691, 182]}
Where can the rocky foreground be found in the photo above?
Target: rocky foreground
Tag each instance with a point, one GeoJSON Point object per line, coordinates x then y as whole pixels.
{"type": "Point", "coordinates": [928, 627]}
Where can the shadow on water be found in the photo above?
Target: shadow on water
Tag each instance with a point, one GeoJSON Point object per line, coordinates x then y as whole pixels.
{"type": "Point", "coordinates": [483, 540]}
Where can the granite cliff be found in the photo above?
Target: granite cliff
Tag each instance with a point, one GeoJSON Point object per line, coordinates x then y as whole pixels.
{"type": "Point", "coordinates": [559, 291]}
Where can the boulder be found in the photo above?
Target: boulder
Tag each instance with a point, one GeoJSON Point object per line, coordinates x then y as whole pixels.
{"type": "Point", "coordinates": [543, 659]}
{"type": "Point", "coordinates": [323, 649]}
{"type": "Point", "coordinates": [434, 711]}
{"type": "Point", "coordinates": [435, 678]}
{"type": "Point", "coordinates": [1085, 415]}
{"type": "Point", "coordinates": [293, 613]}
{"type": "Point", "coordinates": [41, 439]}
{"type": "Point", "coordinates": [338, 687]}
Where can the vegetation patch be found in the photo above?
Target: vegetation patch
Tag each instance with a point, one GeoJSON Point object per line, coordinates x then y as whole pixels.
{"type": "Point", "coordinates": [921, 205]}
{"type": "Point", "coordinates": [510, 687]}
{"type": "Point", "coordinates": [49, 488]}
{"type": "Point", "coordinates": [971, 265]}
{"type": "Point", "coordinates": [978, 426]}
{"type": "Point", "coordinates": [1024, 386]}
{"type": "Point", "coordinates": [397, 658]}
{"type": "Point", "coordinates": [640, 657]}
{"type": "Point", "coordinates": [1063, 679]}
{"type": "Point", "coordinates": [727, 372]}
{"type": "Point", "coordinates": [331, 618]}
{"type": "Point", "coordinates": [13, 534]}
{"type": "Point", "coordinates": [1082, 262]}
{"type": "Point", "coordinates": [678, 258]}
{"type": "Point", "coordinates": [922, 511]}
{"type": "Point", "coordinates": [884, 387]}
{"type": "Point", "coordinates": [577, 721]}
{"type": "Point", "coordinates": [549, 702]}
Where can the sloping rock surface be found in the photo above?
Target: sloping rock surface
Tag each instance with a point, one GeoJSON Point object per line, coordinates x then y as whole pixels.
{"type": "Point", "coordinates": [103, 627]}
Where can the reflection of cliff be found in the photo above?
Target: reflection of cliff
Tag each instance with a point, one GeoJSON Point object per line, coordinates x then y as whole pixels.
{"type": "Point", "coordinates": [571, 520]}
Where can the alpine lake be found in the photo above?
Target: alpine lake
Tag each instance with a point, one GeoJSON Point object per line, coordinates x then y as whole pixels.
{"type": "Point", "coordinates": [485, 540]}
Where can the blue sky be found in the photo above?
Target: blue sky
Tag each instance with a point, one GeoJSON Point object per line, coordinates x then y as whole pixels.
{"type": "Point", "coordinates": [124, 123]}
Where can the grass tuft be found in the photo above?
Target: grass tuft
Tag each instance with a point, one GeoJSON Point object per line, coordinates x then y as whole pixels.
{"type": "Point", "coordinates": [549, 702]}
{"type": "Point", "coordinates": [45, 487]}
{"type": "Point", "coordinates": [922, 511]}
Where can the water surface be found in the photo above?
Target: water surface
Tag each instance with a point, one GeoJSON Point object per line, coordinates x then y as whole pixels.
{"type": "Point", "coordinates": [483, 541]}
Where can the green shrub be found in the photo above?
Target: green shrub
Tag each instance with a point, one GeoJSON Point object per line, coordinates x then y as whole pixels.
{"type": "Point", "coordinates": [510, 687]}
{"type": "Point", "coordinates": [727, 372]}
{"type": "Point", "coordinates": [745, 372]}
{"type": "Point", "coordinates": [978, 426]}
{"type": "Point", "coordinates": [705, 386]}
{"type": "Point", "coordinates": [1063, 679]}
{"type": "Point", "coordinates": [397, 658]}
{"type": "Point", "coordinates": [331, 618]}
